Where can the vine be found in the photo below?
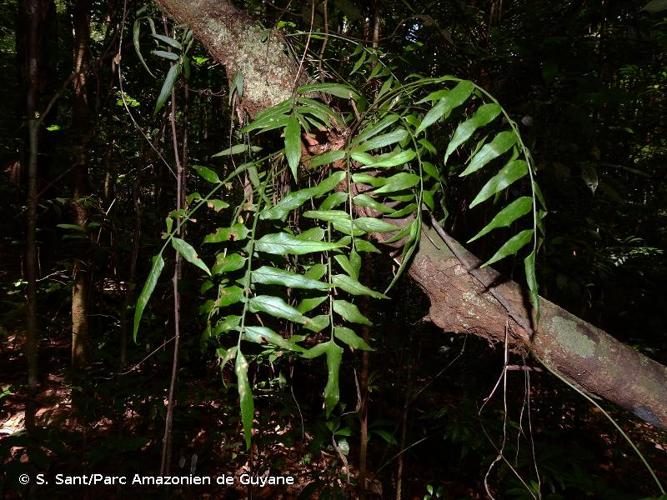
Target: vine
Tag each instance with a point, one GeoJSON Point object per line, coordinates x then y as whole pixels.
{"type": "Point", "coordinates": [360, 172]}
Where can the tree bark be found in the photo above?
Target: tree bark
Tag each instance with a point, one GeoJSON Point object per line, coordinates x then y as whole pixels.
{"type": "Point", "coordinates": [81, 286]}
{"type": "Point", "coordinates": [568, 345]}
{"type": "Point", "coordinates": [34, 12]}
{"type": "Point", "coordinates": [233, 38]}
{"type": "Point", "coordinates": [564, 343]}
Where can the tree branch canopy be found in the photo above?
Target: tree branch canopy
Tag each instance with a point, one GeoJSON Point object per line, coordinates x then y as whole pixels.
{"type": "Point", "coordinates": [564, 343]}
{"type": "Point", "coordinates": [234, 39]}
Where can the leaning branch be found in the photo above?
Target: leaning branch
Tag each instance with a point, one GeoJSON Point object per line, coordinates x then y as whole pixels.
{"type": "Point", "coordinates": [460, 301]}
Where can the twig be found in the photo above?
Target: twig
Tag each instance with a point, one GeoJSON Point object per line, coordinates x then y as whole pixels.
{"type": "Point", "coordinates": [167, 440]}
{"type": "Point", "coordinates": [154, 351]}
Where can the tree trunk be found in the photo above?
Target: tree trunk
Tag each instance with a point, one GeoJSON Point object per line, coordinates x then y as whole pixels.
{"type": "Point", "coordinates": [564, 343]}
{"type": "Point", "coordinates": [34, 24]}
{"type": "Point", "coordinates": [568, 345]}
{"type": "Point", "coordinates": [80, 288]}
{"type": "Point", "coordinates": [234, 38]}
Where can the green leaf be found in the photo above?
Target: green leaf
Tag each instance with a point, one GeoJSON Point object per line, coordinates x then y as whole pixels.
{"type": "Point", "coordinates": [375, 128]}
{"type": "Point", "coordinates": [655, 6]}
{"type": "Point", "coordinates": [431, 170]}
{"type": "Point", "coordinates": [363, 158]}
{"type": "Point", "coordinates": [348, 266]}
{"type": "Point", "coordinates": [515, 210]}
{"type": "Point", "coordinates": [312, 234]}
{"type": "Point", "coordinates": [428, 199]}
{"type": "Point", "coordinates": [347, 227]}
{"type": "Point", "coordinates": [373, 225]}
{"type": "Point", "coordinates": [147, 291]}
{"type": "Point", "coordinates": [228, 296]}
{"type": "Point", "coordinates": [316, 351]}
{"type": "Point", "coordinates": [169, 41]}
{"type": "Point", "coordinates": [531, 280]}
{"type": "Point", "coordinates": [371, 180]}
{"type": "Point", "coordinates": [433, 115]}
{"type": "Point", "coordinates": [405, 211]}
{"type": "Point", "coordinates": [293, 144]}
{"type": "Point", "coordinates": [365, 246]}
{"type": "Point", "coordinates": [484, 115]}
{"type": "Point", "coordinates": [189, 253]}
{"type": "Point", "coordinates": [236, 87]}
{"type": "Point", "coordinates": [359, 62]}
{"type": "Point", "coordinates": [452, 99]}
{"type": "Point", "coordinates": [511, 246]}
{"type": "Point", "coordinates": [207, 307]}
{"type": "Point", "coordinates": [353, 287]}
{"type": "Point", "coordinates": [226, 356]}
{"type": "Point", "coordinates": [363, 200]}
{"type": "Point", "coordinates": [355, 262]}
{"type": "Point", "coordinates": [286, 244]}
{"type": "Point", "coordinates": [398, 182]}
{"type": "Point", "coordinates": [317, 109]}
{"type": "Point", "coordinates": [434, 96]}
{"type": "Point", "coordinates": [393, 159]}
{"type": "Point", "coordinates": [332, 389]}
{"type": "Point", "coordinates": [260, 334]}
{"type": "Point", "coordinates": [206, 286]}
{"type": "Point", "coordinates": [167, 87]}
{"type": "Point", "coordinates": [216, 205]}
{"type": "Point", "coordinates": [136, 33]}
{"type": "Point", "coordinates": [500, 144]}
{"type": "Point", "coordinates": [270, 118]}
{"type": "Point", "coordinates": [384, 140]}
{"type": "Point", "coordinates": [237, 149]}
{"type": "Point", "coordinates": [236, 232]}
{"type": "Point", "coordinates": [350, 312]}
{"type": "Point", "coordinates": [328, 215]}
{"type": "Point", "coordinates": [268, 123]}
{"type": "Point", "coordinates": [72, 227]}
{"type": "Point", "coordinates": [227, 263]}
{"type": "Point", "coordinates": [426, 144]}
{"type": "Point", "coordinates": [510, 173]}
{"type": "Point", "coordinates": [195, 196]}
{"type": "Point", "coordinates": [293, 200]}
{"type": "Point", "coordinates": [227, 324]}
{"type": "Point", "coordinates": [316, 271]}
{"type": "Point", "coordinates": [276, 307]}
{"type": "Point", "coordinates": [207, 174]}
{"type": "Point", "coordinates": [336, 89]}
{"type": "Point", "coordinates": [307, 305]}
{"type": "Point", "coordinates": [272, 276]}
{"type": "Point", "coordinates": [165, 55]}
{"type": "Point", "coordinates": [333, 200]}
{"type": "Point", "coordinates": [186, 67]}
{"type": "Point", "coordinates": [245, 396]}
{"type": "Point", "coordinates": [390, 439]}
{"type": "Point", "coordinates": [350, 338]}
{"type": "Point", "coordinates": [326, 158]}
{"type": "Point", "coordinates": [318, 323]}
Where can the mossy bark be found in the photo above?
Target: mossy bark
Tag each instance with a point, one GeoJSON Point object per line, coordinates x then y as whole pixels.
{"type": "Point", "coordinates": [586, 355]}
{"type": "Point", "coordinates": [234, 39]}
{"type": "Point", "coordinates": [566, 344]}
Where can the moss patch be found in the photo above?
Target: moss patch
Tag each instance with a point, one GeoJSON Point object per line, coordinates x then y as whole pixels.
{"type": "Point", "coordinates": [567, 334]}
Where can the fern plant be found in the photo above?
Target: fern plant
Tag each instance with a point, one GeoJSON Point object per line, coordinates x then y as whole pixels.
{"type": "Point", "coordinates": [352, 170]}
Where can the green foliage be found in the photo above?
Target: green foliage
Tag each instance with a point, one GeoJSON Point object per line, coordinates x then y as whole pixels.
{"type": "Point", "coordinates": [377, 183]}
{"type": "Point", "coordinates": [147, 291]}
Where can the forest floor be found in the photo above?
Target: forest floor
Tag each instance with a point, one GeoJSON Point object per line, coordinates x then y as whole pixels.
{"type": "Point", "coordinates": [112, 423]}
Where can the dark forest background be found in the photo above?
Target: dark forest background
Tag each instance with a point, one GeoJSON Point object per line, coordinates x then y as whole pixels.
{"type": "Point", "coordinates": [586, 82]}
